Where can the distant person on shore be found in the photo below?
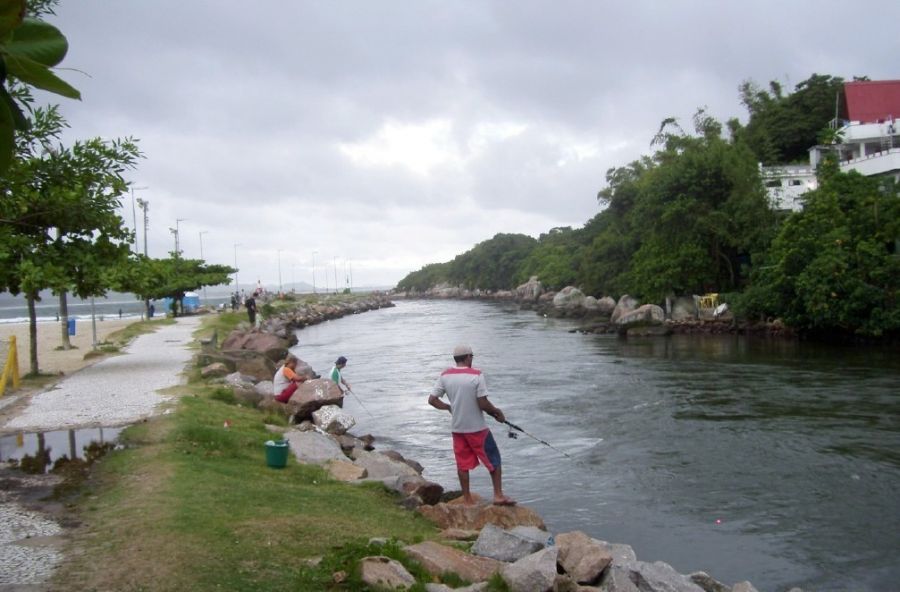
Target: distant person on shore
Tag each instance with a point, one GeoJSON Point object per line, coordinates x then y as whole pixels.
{"type": "Point", "coordinates": [472, 440]}
{"type": "Point", "coordinates": [336, 376]}
{"type": "Point", "coordinates": [250, 304]}
{"type": "Point", "coordinates": [286, 379]}
{"type": "Point", "coordinates": [152, 310]}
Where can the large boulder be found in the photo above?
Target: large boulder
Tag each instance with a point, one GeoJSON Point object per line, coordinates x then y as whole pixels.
{"type": "Point", "coordinates": [265, 388]}
{"type": "Point", "coordinates": [269, 344]}
{"type": "Point", "coordinates": [625, 305]}
{"type": "Point", "coordinates": [215, 370]}
{"type": "Point", "coordinates": [251, 363]}
{"type": "Point", "coordinates": [534, 573]}
{"type": "Point", "coordinates": [383, 572]}
{"type": "Point", "coordinates": [606, 305]}
{"type": "Point", "coordinates": [568, 298]}
{"type": "Point", "coordinates": [455, 514]}
{"type": "Point", "coordinates": [425, 491]}
{"type": "Point", "coordinates": [313, 447]}
{"type": "Point", "coordinates": [684, 308]}
{"type": "Point", "coordinates": [646, 315]}
{"type": "Point", "coordinates": [312, 395]}
{"type": "Point", "coordinates": [344, 470]}
{"type": "Point", "coordinates": [393, 454]}
{"type": "Point", "coordinates": [581, 558]}
{"type": "Point", "coordinates": [380, 466]}
{"type": "Point", "coordinates": [530, 291]}
{"type": "Point", "coordinates": [647, 577]}
{"type": "Point", "coordinates": [504, 545]}
{"type": "Point", "coordinates": [438, 559]}
{"type": "Point", "coordinates": [333, 420]}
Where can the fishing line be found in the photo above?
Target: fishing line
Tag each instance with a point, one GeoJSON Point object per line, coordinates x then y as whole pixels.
{"type": "Point", "coordinates": [358, 400]}
{"type": "Point", "coordinates": [513, 435]}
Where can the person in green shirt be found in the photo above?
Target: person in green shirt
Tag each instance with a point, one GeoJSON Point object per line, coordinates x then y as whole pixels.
{"type": "Point", "coordinates": [335, 374]}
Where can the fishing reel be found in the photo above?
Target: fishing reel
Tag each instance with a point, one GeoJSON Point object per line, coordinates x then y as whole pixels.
{"type": "Point", "coordinates": [512, 434]}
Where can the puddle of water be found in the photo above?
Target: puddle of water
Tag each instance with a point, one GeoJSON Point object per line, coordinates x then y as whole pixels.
{"type": "Point", "coordinates": [68, 443]}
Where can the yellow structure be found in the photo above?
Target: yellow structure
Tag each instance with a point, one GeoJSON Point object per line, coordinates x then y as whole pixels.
{"type": "Point", "coordinates": [710, 300]}
{"type": "Point", "coordinates": [10, 367]}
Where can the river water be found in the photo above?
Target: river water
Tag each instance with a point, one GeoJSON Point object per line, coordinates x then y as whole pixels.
{"type": "Point", "coordinates": [770, 461]}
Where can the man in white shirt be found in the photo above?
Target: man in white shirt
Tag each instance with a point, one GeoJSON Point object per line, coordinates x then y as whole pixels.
{"type": "Point", "coordinates": [472, 440]}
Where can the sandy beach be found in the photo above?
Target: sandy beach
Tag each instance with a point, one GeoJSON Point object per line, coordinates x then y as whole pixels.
{"type": "Point", "coordinates": [51, 360]}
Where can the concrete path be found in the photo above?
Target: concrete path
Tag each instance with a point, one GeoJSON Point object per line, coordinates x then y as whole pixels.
{"type": "Point", "coordinates": [115, 391]}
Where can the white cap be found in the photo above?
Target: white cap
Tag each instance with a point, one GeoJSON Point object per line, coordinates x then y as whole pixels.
{"type": "Point", "coordinates": [462, 350]}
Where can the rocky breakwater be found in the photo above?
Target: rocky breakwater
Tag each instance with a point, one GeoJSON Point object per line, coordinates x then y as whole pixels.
{"type": "Point", "coordinates": [248, 357]}
{"type": "Point", "coordinates": [604, 314]}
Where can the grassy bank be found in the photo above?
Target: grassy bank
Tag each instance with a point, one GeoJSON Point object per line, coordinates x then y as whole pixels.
{"type": "Point", "coordinates": [190, 504]}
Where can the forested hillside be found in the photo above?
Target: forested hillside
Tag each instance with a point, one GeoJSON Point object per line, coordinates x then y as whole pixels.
{"type": "Point", "coordinates": [693, 217]}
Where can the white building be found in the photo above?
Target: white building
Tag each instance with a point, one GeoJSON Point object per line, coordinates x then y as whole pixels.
{"type": "Point", "coordinates": [868, 142]}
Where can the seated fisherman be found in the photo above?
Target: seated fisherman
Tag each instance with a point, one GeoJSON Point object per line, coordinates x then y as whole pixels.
{"type": "Point", "coordinates": [286, 379]}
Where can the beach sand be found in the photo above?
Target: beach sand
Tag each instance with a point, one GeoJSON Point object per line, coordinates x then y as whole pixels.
{"type": "Point", "coordinates": [51, 360]}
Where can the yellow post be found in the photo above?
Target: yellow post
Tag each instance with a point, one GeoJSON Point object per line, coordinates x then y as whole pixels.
{"type": "Point", "coordinates": [10, 367]}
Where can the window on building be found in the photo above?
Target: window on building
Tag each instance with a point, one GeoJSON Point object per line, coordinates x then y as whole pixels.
{"type": "Point", "coordinates": [796, 182]}
{"type": "Point", "coordinates": [773, 183]}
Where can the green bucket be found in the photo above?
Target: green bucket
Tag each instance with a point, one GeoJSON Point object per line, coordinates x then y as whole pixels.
{"type": "Point", "coordinates": [276, 453]}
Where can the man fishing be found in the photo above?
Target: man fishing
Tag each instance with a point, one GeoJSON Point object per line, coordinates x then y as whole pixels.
{"type": "Point", "coordinates": [472, 440]}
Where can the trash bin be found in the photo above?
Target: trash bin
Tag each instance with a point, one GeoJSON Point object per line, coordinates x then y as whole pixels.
{"type": "Point", "coordinates": [71, 326]}
{"type": "Point", "coordinates": [276, 453]}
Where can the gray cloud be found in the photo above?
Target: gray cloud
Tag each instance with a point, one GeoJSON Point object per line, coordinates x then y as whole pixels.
{"type": "Point", "coordinates": [395, 134]}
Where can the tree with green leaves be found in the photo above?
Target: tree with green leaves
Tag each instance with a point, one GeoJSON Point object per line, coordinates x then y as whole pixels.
{"type": "Point", "coordinates": [59, 206]}
{"type": "Point", "coordinates": [782, 128]}
{"type": "Point", "coordinates": [153, 279]}
{"type": "Point", "coordinates": [834, 266]}
{"type": "Point", "coordinates": [29, 47]}
{"type": "Point", "coordinates": [684, 221]}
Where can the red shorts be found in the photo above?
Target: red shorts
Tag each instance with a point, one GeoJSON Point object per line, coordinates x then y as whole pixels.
{"type": "Point", "coordinates": [469, 448]}
{"type": "Point", "coordinates": [285, 395]}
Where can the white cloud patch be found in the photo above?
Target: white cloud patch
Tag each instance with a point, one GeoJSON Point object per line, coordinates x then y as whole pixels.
{"type": "Point", "coordinates": [392, 136]}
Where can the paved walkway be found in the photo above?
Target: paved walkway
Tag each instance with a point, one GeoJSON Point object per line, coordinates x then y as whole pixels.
{"type": "Point", "coordinates": [115, 391]}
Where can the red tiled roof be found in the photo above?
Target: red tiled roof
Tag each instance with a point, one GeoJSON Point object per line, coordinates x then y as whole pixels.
{"type": "Point", "coordinates": [872, 101]}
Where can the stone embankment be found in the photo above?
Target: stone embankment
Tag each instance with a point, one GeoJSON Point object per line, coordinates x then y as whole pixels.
{"type": "Point", "coordinates": [256, 351]}
{"type": "Point", "coordinates": [625, 316]}
{"type": "Point", "coordinates": [511, 541]}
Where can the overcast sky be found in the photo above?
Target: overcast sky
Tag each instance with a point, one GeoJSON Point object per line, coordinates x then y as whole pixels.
{"type": "Point", "coordinates": [382, 136]}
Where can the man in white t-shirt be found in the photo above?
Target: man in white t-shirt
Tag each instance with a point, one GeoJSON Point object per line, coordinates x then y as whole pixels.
{"type": "Point", "coordinates": [472, 440]}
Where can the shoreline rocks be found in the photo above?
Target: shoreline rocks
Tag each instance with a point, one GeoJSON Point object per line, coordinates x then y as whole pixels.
{"type": "Point", "coordinates": [680, 315]}
{"type": "Point", "coordinates": [511, 541]}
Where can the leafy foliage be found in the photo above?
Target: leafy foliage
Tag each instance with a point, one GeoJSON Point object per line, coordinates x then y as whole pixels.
{"type": "Point", "coordinates": [29, 47]}
{"type": "Point", "coordinates": [61, 229]}
{"type": "Point", "coordinates": [490, 265]}
{"type": "Point", "coordinates": [834, 265]}
{"type": "Point", "coordinates": [783, 127]}
{"type": "Point", "coordinates": [152, 279]}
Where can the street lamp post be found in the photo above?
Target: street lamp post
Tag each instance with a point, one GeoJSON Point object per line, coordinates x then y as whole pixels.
{"type": "Point", "coordinates": [237, 285]}
{"type": "Point", "coordinates": [134, 217]}
{"type": "Point", "coordinates": [145, 205]}
{"type": "Point", "coordinates": [202, 232]}
{"type": "Point", "coordinates": [177, 244]}
{"type": "Point", "coordinates": [314, 271]}
{"type": "Point", "coordinates": [280, 288]}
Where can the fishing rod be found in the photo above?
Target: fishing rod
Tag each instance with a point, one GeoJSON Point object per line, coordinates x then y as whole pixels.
{"type": "Point", "coordinates": [360, 402]}
{"type": "Point", "coordinates": [513, 435]}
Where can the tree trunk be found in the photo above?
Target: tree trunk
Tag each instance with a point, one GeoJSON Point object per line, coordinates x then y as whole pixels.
{"type": "Point", "coordinates": [147, 309]}
{"type": "Point", "coordinates": [32, 333]}
{"type": "Point", "coordinates": [64, 319]}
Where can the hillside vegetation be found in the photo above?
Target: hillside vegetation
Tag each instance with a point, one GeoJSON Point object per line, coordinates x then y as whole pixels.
{"type": "Point", "coordinates": [694, 217]}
